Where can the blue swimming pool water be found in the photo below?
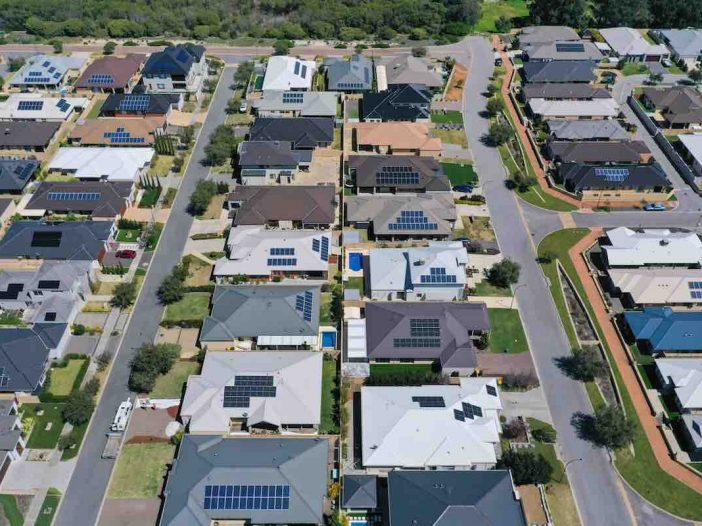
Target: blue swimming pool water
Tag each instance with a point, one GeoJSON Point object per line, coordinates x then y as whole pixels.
{"type": "Point", "coordinates": [355, 261]}
{"type": "Point", "coordinates": [329, 339]}
{"type": "Point", "coordinates": [358, 522]}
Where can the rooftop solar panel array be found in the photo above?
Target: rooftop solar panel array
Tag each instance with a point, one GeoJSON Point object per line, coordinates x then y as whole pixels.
{"type": "Point", "coordinates": [324, 252]}
{"type": "Point", "coordinates": [100, 79]}
{"type": "Point", "coordinates": [281, 262]}
{"type": "Point", "coordinates": [282, 251]}
{"type": "Point", "coordinates": [420, 343]}
{"type": "Point", "coordinates": [412, 220]}
{"type": "Point", "coordinates": [616, 175]}
{"type": "Point", "coordinates": [30, 105]}
{"type": "Point", "coordinates": [73, 196]}
{"type": "Point", "coordinates": [421, 328]}
{"type": "Point", "coordinates": [134, 103]}
{"type": "Point", "coordinates": [247, 497]}
{"type": "Point", "coordinates": [438, 275]}
{"type": "Point", "coordinates": [120, 136]}
{"type": "Point", "coordinates": [397, 175]}
{"type": "Point", "coordinates": [303, 303]}
{"type": "Point", "coordinates": [293, 97]}
{"type": "Point", "coordinates": [429, 401]}
{"type": "Point", "coordinates": [245, 387]}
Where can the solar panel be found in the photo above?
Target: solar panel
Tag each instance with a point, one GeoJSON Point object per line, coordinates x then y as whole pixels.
{"type": "Point", "coordinates": [63, 105]}
{"type": "Point", "coordinates": [30, 105]}
{"type": "Point", "coordinates": [245, 387]}
{"type": "Point", "coordinates": [297, 67]}
{"type": "Point", "coordinates": [695, 284]}
{"type": "Point", "coordinates": [491, 390]}
{"type": "Point", "coordinates": [458, 415]}
{"type": "Point", "coordinates": [471, 411]}
{"type": "Point", "coordinates": [282, 252]}
{"type": "Point", "coordinates": [50, 316]}
{"type": "Point", "coordinates": [73, 196]}
{"type": "Point", "coordinates": [438, 275]}
{"type": "Point", "coordinates": [612, 174]}
{"type": "Point", "coordinates": [46, 64]}
{"type": "Point", "coordinates": [570, 47]}
{"type": "Point", "coordinates": [4, 379]}
{"type": "Point", "coordinates": [46, 239]}
{"type": "Point", "coordinates": [696, 294]}
{"type": "Point", "coordinates": [429, 401]}
{"type": "Point", "coordinates": [48, 284]}
{"type": "Point", "coordinates": [24, 171]}
{"type": "Point", "coordinates": [119, 136]}
{"type": "Point", "coordinates": [412, 220]}
{"type": "Point", "coordinates": [303, 303]}
{"type": "Point", "coordinates": [324, 253]}
{"type": "Point", "coordinates": [416, 342]}
{"type": "Point", "coordinates": [293, 97]}
{"type": "Point", "coordinates": [100, 79]}
{"type": "Point", "coordinates": [397, 175]}
{"type": "Point", "coordinates": [247, 497]}
{"type": "Point", "coordinates": [282, 262]}
{"type": "Point", "coordinates": [423, 328]}
{"type": "Point", "coordinates": [303, 71]}
{"type": "Point", "coordinates": [136, 103]}
{"type": "Point", "coordinates": [34, 74]}
{"type": "Point", "coordinates": [315, 245]}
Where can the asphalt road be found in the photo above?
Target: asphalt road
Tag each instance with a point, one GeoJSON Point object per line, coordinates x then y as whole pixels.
{"type": "Point", "coordinates": [84, 496]}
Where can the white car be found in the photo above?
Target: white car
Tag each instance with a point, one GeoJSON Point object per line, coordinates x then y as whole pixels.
{"type": "Point", "coordinates": [243, 106]}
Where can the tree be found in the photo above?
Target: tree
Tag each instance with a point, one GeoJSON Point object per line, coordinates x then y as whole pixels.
{"type": "Point", "coordinates": [492, 89]}
{"type": "Point", "coordinates": [419, 51]}
{"type": "Point", "coordinates": [584, 365]}
{"type": "Point", "coordinates": [243, 73]}
{"type": "Point", "coordinates": [574, 13]}
{"type": "Point", "coordinates": [503, 24]}
{"type": "Point", "coordinates": [499, 133]}
{"type": "Point", "coordinates": [201, 197]}
{"type": "Point", "coordinates": [150, 361]}
{"type": "Point", "coordinates": [522, 181]}
{"type": "Point", "coordinates": [92, 386]}
{"type": "Point", "coordinates": [15, 63]}
{"type": "Point", "coordinates": [172, 288]}
{"type": "Point", "coordinates": [103, 360]}
{"type": "Point", "coordinates": [221, 146]}
{"type": "Point", "coordinates": [282, 47]}
{"type": "Point", "coordinates": [494, 106]}
{"type": "Point", "coordinates": [608, 427]}
{"type": "Point", "coordinates": [57, 45]}
{"type": "Point", "coordinates": [78, 408]}
{"type": "Point", "coordinates": [526, 467]}
{"type": "Point", "coordinates": [124, 295]}
{"type": "Point", "coordinates": [629, 13]}
{"type": "Point", "coordinates": [655, 78]}
{"type": "Point", "coordinates": [504, 273]}
{"type": "Point", "coordinates": [695, 75]}
{"type": "Point", "coordinates": [233, 105]}
{"type": "Point", "coordinates": [109, 48]}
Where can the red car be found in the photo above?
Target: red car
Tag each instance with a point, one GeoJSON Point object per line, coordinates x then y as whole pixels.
{"type": "Point", "coordinates": [126, 254]}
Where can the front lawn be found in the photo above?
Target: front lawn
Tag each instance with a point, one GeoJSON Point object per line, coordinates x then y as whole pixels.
{"type": "Point", "coordinates": [170, 385]}
{"type": "Point", "coordinates": [199, 272]}
{"type": "Point", "coordinates": [161, 165]}
{"type": "Point", "coordinates": [41, 437]}
{"type": "Point", "coordinates": [11, 510]}
{"type": "Point", "coordinates": [329, 424]}
{"type": "Point", "coordinates": [48, 508]}
{"type": "Point", "coordinates": [447, 117]}
{"type": "Point", "coordinates": [149, 197]}
{"type": "Point", "coordinates": [635, 68]}
{"type": "Point", "coordinates": [484, 288]}
{"type": "Point", "coordinates": [477, 228]}
{"type": "Point", "coordinates": [214, 209]}
{"type": "Point", "coordinates": [70, 453]}
{"type": "Point", "coordinates": [460, 173]}
{"type": "Point", "coordinates": [451, 136]}
{"type": "Point", "coordinates": [193, 306]}
{"type": "Point", "coordinates": [491, 11]}
{"type": "Point", "coordinates": [506, 331]}
{"type": "Point", "coordinates": [537, 197]}
{"type": "Point", "coordinates": [65, 379]}
{"type": "Point", "coordinates": [128, 235]}
{"type": "Point", "coordinates": [140, 470]}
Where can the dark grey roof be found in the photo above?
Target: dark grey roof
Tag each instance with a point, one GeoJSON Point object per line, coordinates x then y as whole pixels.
{"type": "Point", "coordinates": [360, 492]}
{"type": "Point", "coordinates": [545, 34]}
{"type": "Point", "coordinates": [16, 173]}
{"type": "Point", "coordinates": [300, 463]}
{"type": "Point", "coordinates": [579, 177]}
{"type": "Point", "coordinates": [262, 204]}
{"type": "Point", "coordinates": [562, 50]}
{"type": "Point", "coordinates": [173, 60]}
{"type": "Point", "coordinates": [559, 71]}
{"type": "Point", "coordinates": [24, 354]}
{"type": "Point", "coordinates": [367, 167]}
{"type": "Point", "coordinates": [271, 154]}
{"type": "Point", "coordinates": [302, 132]}
{"type": "Point", "coordinates": [27, 134]}
{"type": "Point", "coordinates": [565, 90]}
{"type": "Point", "coordinates": [9, 434]}
{"type": "Point", "coordinates": [260, 310]}
{"type": "Point", "coordinates": [452, 498]}
{"type": "Point", "coordinates": [156, 103]}
{"type": "Point", "coordinates": [597, 152]}
{"type": "Point", "coordinates": [349, 75]}
{"type": "Point", "coordinates": [72, 240]}
{"type": "Point", "coordinates": [407, 102]}
{"type": "Point", "coordinates": [604, 129]}
{"type": "Point", "coordinates": [386, 321]}
{"type": "Point", "coordinates": [678, 104]}
{"type": "Point", "coordinates": [111, 197]}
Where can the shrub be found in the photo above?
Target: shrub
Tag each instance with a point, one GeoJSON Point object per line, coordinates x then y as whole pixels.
{"type": "Point", "coordinates": [584, 364]}
{"type": "Point", "coordinates": [109, 48]}
{"type": "Point", "coordinates": [92, 386]}
{"type": "Point", "coordinates": [504, 273]}
{"type": "Point", "coordinates": [544, 434]}
{"type": "Point", "coordinates": [499, 133]}
{"type": "Point", "coordinates": [526, 467]}
{"type": "Point", "coordinates": [419, 51]}
{"type": "Point", "coordinates": [124, 295]}
{"type": "Point", "coordinates": [78, 329]}
{"type": "Point", "coordinates": [514, 428]}
{"type": "Point", "coordinates": [103, 360]}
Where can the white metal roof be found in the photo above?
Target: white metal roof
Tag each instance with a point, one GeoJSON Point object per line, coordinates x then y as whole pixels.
{"type": "Point", "coordinates": [113, 164]}
{"type": "Point", "coordinates": [397, 432]}
{"type": "Point", "coordinates": [356, 338]}
{"type": "Point", "coordinates": [693, 143]}
{"type": "Point", "coordinates": [686, 376]}
{"type": "Point", "coordinates": [42, 108]}
{"type": "Point", "coordinates": [630, 248]}
{"type": "Point", "coordinates": [626, 41]}
{"type": "Point", "coordinates": [285, 73]}
{"type": "Point", "coordinates": [381, 77]}
{"type": "Point", "coordinates": [574, 108]}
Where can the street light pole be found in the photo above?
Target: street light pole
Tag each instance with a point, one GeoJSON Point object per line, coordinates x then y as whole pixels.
{"type": "Point", "coordinates": [514, 294]}
{"type": "Point", "coordinates": [565, 466]}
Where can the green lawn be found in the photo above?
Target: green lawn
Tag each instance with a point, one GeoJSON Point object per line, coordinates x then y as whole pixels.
{"type": "Point", "coordinates": [41, 438]}
{"type": "Point", "coordinates": [356, 283]}
{"type": "Point", "coordinates": [149, 197]}
{"type": "Point", "coordinates": [258, 83]}
{"type": "Point", "coordinates": [635, 68]}
{"type": "Point", "coordinates": [12, 511]}
{"type": "Point", "coordinates": [447, 117]}
{"type": "Point", "coordinates": [328, 424]}
{"type": "Point", "coordinates": [484, 288]}
{"type": "Point", "coordinates": [536, 424]}
{"type": "Point", "coordinates": [452, 137]}
{"type": "Point", "coordinates": [170, 385]}
{"type": "Point", "coordinates": [153, 238]}
{"type": "Point", "coordinates": [63, 379]}
{"type": "Point", "coordinates": [161, 165]}
{"type": "Point", "coordinates": [193, 306]}
{"type": "Point", "coordinates": [380, 369]}
{"type": "Point", "coordinates": [325, 308]}
{"type": "Point", "coordinates": [460, 173]}
{"type": "Point", "coordinates": [140, 470]}
{"type": "Point", "coordinates": [11, 317]}
{"type": "Point", "coordinates": [506, 331]}
{"type": "Point", "coordinates": [491, 11]}
{"type": "Point", "coordinates": [97, 106]}
{"type": "Point", "coordinates": [128, 235]}
{"type": "Point", "coordinates": [48, 508]}
{"type": "Point", "coordinates": [68, 454]}
{"type": "Point", "coordinates": [537, 197]}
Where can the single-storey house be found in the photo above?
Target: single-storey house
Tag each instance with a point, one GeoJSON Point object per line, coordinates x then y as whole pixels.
{"type": "Point", "coordinates": [692, 144]}
{"type": "Point", "coordinates": [682, 376]}
{"type": "Point", "coordinates": [270, 162]}
{"type": "Point", "coordinates": [353, 75]}
{"type": "Point", "coordinates": [27, 135]}
{"type": "Point", "coordinates": [97, 163]}
{"type": "Point", "coordinates": [563, 91]}
{"type": "Point", "coordinates": [562, 50]}
{"type": "Point", "coordinates": [397, 173]}
{"type": "Point", "coordinates": [650, 286]}
{"type": "Point", "coordinates": [15, 173]}
{"type": "Point", "coordinates": [573, 109]}
{"type": "Point", "coordinates": [663, 330]}
{"type": "Point", "coordinates": [586, 130]}
{"type": "Point", "coordinates": [674, 107]}
{"type": "Point", "coordinates": [99, 200]}
{"type": "Point", "coordinates": [47, 71]}
{"type": "Point", "coordinates": [13, 440]}
{"type": "Point", "coordinates": [630, 45]}
{"type": "Point", "coordinates": [684, 44]}
{"type": "Point", "coordinates": [599, 152]}
{"type": "Point", "coordinates": [402, 103]}
{"type": "Point", "coordinates": [305, 133]}
{"type": "Point", "coordinates": [568, 71]}
{"type": "Point", "coordinates": [34, 107]}
{"type": "Point", "coordinates": [112, 74]}
{"type": "Point", "coordinates": [288, 74]}
{"type": "Point", "coordinates": [621, 182]}
{"type": "Point", "coordinates": [141, 104]}
{"type": "Point", "coordinates": [652, 247]}
{"type": "Point", "coordinates": [118, 132]}
{"type": "Point", "coordinates": [397, 138]}
{"type": "Point", "coordinates": [534, 35]}
{"type": "Point", "coordinates": [177, 69]}
{"type": "Point", "coordinates": [406, 69]}
{"type": "Point", "coordinates": [274, 103]}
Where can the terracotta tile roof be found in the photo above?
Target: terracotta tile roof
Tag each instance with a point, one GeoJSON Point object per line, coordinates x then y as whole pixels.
{"type": "Point", "coordinates": [121, 69]}
{"type": "Point", "coordinates": [397, 135]}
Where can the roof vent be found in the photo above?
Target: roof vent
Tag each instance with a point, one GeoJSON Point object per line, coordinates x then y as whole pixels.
{"type": "Point", "coordinates": [419, 263]}
{"type": "Point", "coordinates": [7, 131]}
{"type": "Point", "coordinates": [664, 242]}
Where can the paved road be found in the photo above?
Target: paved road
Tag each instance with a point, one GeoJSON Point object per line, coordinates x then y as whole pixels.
{"type": "Point", "coordinates": [83, 499]}
{"type": "Point", "coordinates": [596, 486]}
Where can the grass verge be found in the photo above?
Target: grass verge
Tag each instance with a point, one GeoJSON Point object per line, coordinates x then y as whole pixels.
{"type": "Point", "coordinates": [484, 288]}
{"type": "Point", "coordinates": [12, 512]}
{"type": "Point", "coordinates": [506, 331]}
{"type": "Point", "coordinates": [193, 306]}
{"type": "Point", "coordinates": [170, 385]}
{"type": "Point", "coordinates": [48, 508]}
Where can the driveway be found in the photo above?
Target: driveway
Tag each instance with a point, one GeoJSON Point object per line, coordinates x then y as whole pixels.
{"type": "Point", "coordinates": [130, 512]}
{"type": "Point", "coordinates": [528, 404]}
{"type": "Point", "coordinates": [28, 476]}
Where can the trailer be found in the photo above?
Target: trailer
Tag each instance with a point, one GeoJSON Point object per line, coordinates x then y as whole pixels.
{"type": "Point", "coordinates": [113, 445]}
{"type": "Point", "coordinates": [122, 416]}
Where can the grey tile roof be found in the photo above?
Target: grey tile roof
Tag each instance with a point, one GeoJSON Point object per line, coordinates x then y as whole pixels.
{"type": "Point", "coordinates": [111, 201]}
{"type": "Point", "coordinates": [72, 240]}
{"type": "Point", "coordinates": [303, 132]}
{"type": "Point", "coordinates": [360, 492]}
{"type": "Point", "coordinates": [386, 321]}
{"type": "Point", "coordinates": [579, 177]}
{"type": "Point", "coordinates": [16, 173]}
{"type": "Point", "coordinates": [366, 168]}
{"type": "Point", "coordinates": [400, 103]}
{"type": "Point", "coordinates": [157, 104]}
{"type": "Point", "coordinates": [598, 152]}
{"type": "Point", "coordinates": [678, 104]}
{"type": "Point", "coordinates": [309, 104]}
{"type": "Point", "coordinates": [450, 498]}
{"type": "Point", "coordinates": [563, 50]}
{"type": "Point", "coordinates": [559, 71]}
{"type": "Point", "coordinates": [545, 34]}
{"type": "Point", "coordinates": [349, 75]}
{"type": "Point", "coordinates": [262, 204]}
{"type": "Point", "coordinates": [9, 435]}
{"type": "Point", "coordinates": [202, 460]}
{"type": "Point", "coordinates": [260, 310]}
{"type": "Point", "coordinates": [685, 43]}
{"type": "Point", "coordinates": [566, 90]}
{"type": "Point", "coordinates": [272, 154]}
{"type": "Point", "coordinates": [604, 129]}
{"type": "Point", "coordinates": [4, 204]}
{"type": "Point", "coordinates": [27, 134]}
{"type": "Point", "coordinates": [406, 69]}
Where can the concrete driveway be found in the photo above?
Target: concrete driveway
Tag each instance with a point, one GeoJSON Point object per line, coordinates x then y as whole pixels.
{"type": "Point", "coordinates": [26, 476]}
{"type": "Point", "coordinates": [530, 404]}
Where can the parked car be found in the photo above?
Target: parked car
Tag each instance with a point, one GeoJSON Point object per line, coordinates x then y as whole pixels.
{"type": "Point", "coordinates": [243, 106]}
{"type": "Point", "coordinates": [666, 62]}
{"type": "Point", "coordinates": [466, 188]}
{"type": "Point", "coordinates": [126, 254]}
{"type": "Point", "coordinates": [654, 207]}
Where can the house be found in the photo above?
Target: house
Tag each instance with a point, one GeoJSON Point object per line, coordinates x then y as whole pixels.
{"type": "Point", "coordinates": [434, 272]}
{"type": "Point", "coordinates": [652, 247]}
{"type": "Point", "coordinates": [270, 162]}
{"type": "Point", "coordinates": [241, 316]}
{"type": "Point", "coordinates": [382, 215]}
{"type": "Point", "coordinates": [573, 109]}
{"type": "Point", "coordinates": [692, 146]}
{"type": "Point", "coordinates": [427, 498]}
{"type": "Point", "coordinates": [452, 426]}
{"type": "Point", "coordinates": [296, 104]}
{"type": "Point", "coordinates": [305, 133]}
{"type": "Point", "coordinates": [353, 75]}
{"type": "Point", "coordinates": [70, 240]}
{"type": "Point", "coordinates": [94, 162]}
{"type": "Point", "coordinates": [641, 287]}
{"type": "Point", "coordinates": [25, 354]}
{"type": "Point", "coordinates": [118, 132]}
{"type": "Point", "coordinates": [630, 45]}
{"type": "Point", "coordinates": [99, 200]}
{"type": "Point", "coordinates": [663, 330]}
{"type": "Point", "coordinates": [284, 206]}
{"type": "Point", "coordinates": [562, 50]}
{"type": "Point", "coordinates": [675, 107]}
{"type": "Point", "coordinates": [405, 69]}
{"type": "Point", "coordinates": [359, 492]}
{"type": "Point", "coordinates": [568, 71]}
{"type": "Point", "coordinates": [684, 44]}
{"type": "Point", "coordinates": [397, 173]}
{"type": "Point", "coordinates": [621, 182]}
{"type": "Point", "coordinates": [398, 138]}
{"type": "Point", "coordinates": [288, 74]}
{"type": "Point", "coordinates": [34, 107]}
{"type": "Point", "coordinates": [402, 103]}
{"type": "Point", "coordinates": [586, 130]}
{"type": "Point", "coordinates": [141, 104]}
{"type": "Point", "coordinates": [254, 392]}
{"type": "Point", "coordinates": [534, 35]}
{"type": "Point", "coordinates": [212, 477]}
{"type": "Point", "coordinates": [177, 69]}
{"type": "Point", "coordinates": [256, 251]}
{"type": "Point", "coordinates": [112, 74]}
{"type": "Point", "coordinates": [440, 333]}
{"type": "Point", "coordinates": [682, 376]}
{"type": "Point", "coordinates": [13, 440]}
{"type": "Point", "coordinates": [27, 135]}
{"type": "Point", "coordinates": [46, 71]}
{"type": "Point", "coordinates": [15, 173]}
{"type": "Point", "coordinates": [599, 152]}
{"type": "Point", "coordinates": [563, 91]}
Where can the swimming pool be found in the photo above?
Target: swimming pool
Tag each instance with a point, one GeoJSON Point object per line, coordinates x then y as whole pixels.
{"type": "Point", "coordinates": [329, 340]}
{"type": "Point", "coordinates": [358, 522]}
{"type": "Point", "coordinates": [355, 261]}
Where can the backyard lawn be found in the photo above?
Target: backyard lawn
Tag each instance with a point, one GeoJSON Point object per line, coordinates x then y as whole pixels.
{"type": "Point", "coordinates": [64, 379]}
{"type": "Point", "coordinates": [506, 331]}
{"type": "Point", "coordinates": [47, 427]}
{"type": "Point", "coordinates": [140, 470]}
{"type": "Point", "coordinates": [484, 288]}
{"type": "Point", "coordinates": [380, 369]}
{"type": "Point", "coordinates": [460, 173]}
{"type": "Point", "coordinates": [193, 306]}
{"type": "Point", "coordinates": [11, 510]}
{"type": "Point", "coordinates": [328, 424]}
{"type": "Point", "coordinates": [491, 11]}
{"type": "Point", "coordinates": [447, 117]}
{"type": "Point", "coordinates": [356, 283]}
{"type": "Point", "coordinates": [452, 136]}
{"type": "Point", "coordinates": [325, 308]}
{"type": "Point", "coordinates": [170, 385]}
{"type": "Point", "coordinates": [130, 235]}
{"type": "Point", "coordinates": [48, 508]}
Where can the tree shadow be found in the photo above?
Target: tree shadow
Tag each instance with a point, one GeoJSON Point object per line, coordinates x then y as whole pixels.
{"type": "Point", "coordinates": [567, 366]}
{"type": "Point", "coordinates": [585, 428]}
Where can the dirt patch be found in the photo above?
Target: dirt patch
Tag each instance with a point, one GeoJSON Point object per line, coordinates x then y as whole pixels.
{"type": "Point", "coordinates": [477, 228]}
{"type": "Point", "coordinates": [186, 338]}
{"type": "Point", "coordinates": [146, 440]}
{"type": "Point", "coordinates": [199, 272]}
{"type": "Point", "coordinates": [216, 207]}
{"type": "Point", "coordinates": [130, 512]}
{"type": "Point", "coordinates": [505, 364]}
{"type": "Point", "coordinates": [531, 501]}
{"type": "Point", "coordinates": [583, 328]}
{"type": "Point", "coordinates": [454, 93]}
